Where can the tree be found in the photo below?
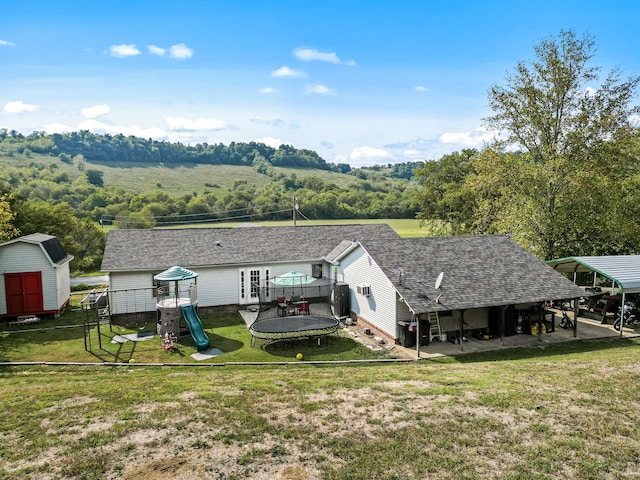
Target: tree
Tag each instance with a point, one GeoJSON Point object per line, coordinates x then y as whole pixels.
{"type": "Point", "coordinates": [574, 135]}
{"type": "Point", "coordinates": [81, 238]}
{"type": "Point", "coordinates": [443, 195]}
{"type": "Point", "coordinates": [7, 230]}
{"type": "Point", "coordinates": [94, 177]}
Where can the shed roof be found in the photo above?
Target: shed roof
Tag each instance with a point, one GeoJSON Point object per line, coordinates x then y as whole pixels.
{"type": "Point", "coordinates": [479, 271]}
{"type": "Point", "coordinates": [49, 243]}
{"type": "Point", "coordinates": [151, 249]}
{"type": "Point", "coordinates": [624, 270]}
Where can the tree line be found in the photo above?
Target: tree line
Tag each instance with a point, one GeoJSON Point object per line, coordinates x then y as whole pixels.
{"type": "Point", "coordinates": [562, 178]}
{"type": "Point", "coordinates": [129, 148]}
{"type": "Point", "coordinates": [44, 197]}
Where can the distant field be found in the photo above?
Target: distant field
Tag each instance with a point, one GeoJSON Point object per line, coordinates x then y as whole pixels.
{"type": "Point", "coordinates": [174, 180]}
{"type": "Point", "coordinates": [406, 227]}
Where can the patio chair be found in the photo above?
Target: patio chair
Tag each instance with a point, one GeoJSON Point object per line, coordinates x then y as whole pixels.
{"type": "Point", "coordinates": [303, 308]}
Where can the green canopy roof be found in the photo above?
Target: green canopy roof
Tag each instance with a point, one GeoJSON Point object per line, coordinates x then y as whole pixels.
{"type": "Point", "coordinates": [175, 274]}
{"type": "Point", "coordinates": [624, 270]}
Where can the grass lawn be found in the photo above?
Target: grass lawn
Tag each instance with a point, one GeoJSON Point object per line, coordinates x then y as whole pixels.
{"type": "Point", "coordinates": [563, 412]}
{"type": "Point", "coordinates": [63, 340]}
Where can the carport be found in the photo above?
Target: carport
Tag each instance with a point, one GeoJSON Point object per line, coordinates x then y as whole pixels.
{"type": "Point", "coordinates": [622, 270]}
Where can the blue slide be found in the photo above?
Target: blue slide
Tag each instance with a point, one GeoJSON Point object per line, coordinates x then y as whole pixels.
{"type": "Point", "coordinates": [195, 327]}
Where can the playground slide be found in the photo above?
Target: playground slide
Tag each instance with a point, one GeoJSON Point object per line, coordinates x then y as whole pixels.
{"type": "Point", "coordinates": [195, 327]}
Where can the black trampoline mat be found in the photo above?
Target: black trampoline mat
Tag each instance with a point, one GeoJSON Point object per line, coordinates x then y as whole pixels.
{"type": "Point", "coordinates": [294, 324]}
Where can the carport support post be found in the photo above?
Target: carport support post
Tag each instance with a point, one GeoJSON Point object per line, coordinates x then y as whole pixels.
{"type": "Point", "coordinates": [417, 318]}
{"type": "Point", "coordinates": [621, 313]}
{"type": "Point", "coordinates": [576, 312]}
{"type": "Point", "coordinates": [461, 330]}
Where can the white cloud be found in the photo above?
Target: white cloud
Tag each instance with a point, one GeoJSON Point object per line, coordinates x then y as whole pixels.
{"type": "Point", "coordinates": [269, 141]}
{"type": "Point", "coordinates": [201, 123]}
{"type": "Point", "coordinates": [368, 153]}
{"type": "Point", "coordinates": [420, 88]}
{"type": "Point", "coordinates": [412, 153]}
{"type": "Point", "coordinates": [96, 126]}
{"type": "Point", "coordinates": [180, 51]}
{"type": "Point", "coordinates": [95, 111]}
{"type": "Point", "coordinates": [320, 89]}
{"type": "Point", "coordinates": [124, 50]}
{"type": "Point", "coordinates": [634, 120]}
{"type": "Point", "coordinates": [58, 128]}
{"type": "Point", "coordinates": [7, 43]}
{"type": "Point", "coordinates": [590, 91]}
{"type": "Point", "coordinates": [285, 71]}
{"type": "Point", "coordinates": [268, 90]}
{"type": "Point", "coordinates": [19, 107]}
{"type": "Point", "coordinates": [310, 54]}
{"type": "Point", "coordinates": [272, 122]}
{"type": "Point", "coordinates": [155, 50]}
{"type": "Point", "coordinates": [473, 139]}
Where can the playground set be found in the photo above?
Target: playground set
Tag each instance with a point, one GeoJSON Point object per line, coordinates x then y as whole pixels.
{"type": "Point", "coordinates": [172, 304]}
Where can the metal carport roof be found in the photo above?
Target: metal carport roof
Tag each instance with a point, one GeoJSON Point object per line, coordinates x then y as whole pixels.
{"type": "Point", "coordinates": [624, 270]}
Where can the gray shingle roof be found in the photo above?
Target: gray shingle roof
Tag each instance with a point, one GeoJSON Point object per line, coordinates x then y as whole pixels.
{"type": "Point", "coordinates": [149, 250]}
{"type": "Point", "coordinates": [479, 271]}
{"type": "Point", "coordinates": [50, 243]}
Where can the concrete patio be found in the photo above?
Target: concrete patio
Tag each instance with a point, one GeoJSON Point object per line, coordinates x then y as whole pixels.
{"type": "Point", "coordinates": [587, 329]}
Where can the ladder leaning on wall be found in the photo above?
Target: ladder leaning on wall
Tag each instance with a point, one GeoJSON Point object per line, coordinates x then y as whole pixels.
{"type": "Point", "coordinates": [435, 332]}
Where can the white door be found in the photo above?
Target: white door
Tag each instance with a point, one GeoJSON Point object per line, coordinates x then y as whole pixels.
{"type": "Point", "coordinates": [254, 285]}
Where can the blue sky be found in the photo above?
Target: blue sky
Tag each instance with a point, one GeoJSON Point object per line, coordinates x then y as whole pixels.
{"type": "Point", "coordinates": [359, 82]}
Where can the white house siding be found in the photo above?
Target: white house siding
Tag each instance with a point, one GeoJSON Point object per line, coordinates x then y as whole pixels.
{"type": "Point", "coordinates": [131, 292]}
{"type": "Point", "coordinates": [217, 286]}
{"type": "Point", "coordinates": [379, 308]}
{"type": "Point", "coordinates": [63, 284]}
{"type": "Point", "coordinates": [474, 318]}
{"type": "Point", "coordinates": [27, 257]}
{"type": "Point", "coordinates": [402, 311]}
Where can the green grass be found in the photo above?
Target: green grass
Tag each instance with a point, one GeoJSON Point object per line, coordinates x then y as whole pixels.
{"type": "Point", "coordinates": [174, 180]}
{"type": "Point", "coordinates": [511, 414]}
{"type": "Point", "coordinates": [405, 227]}
{"type": "Point", "coordinates": [63, 340]}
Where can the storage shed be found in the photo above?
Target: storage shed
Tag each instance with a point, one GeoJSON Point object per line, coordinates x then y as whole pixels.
{"type": "Point", "coordinates": [34, 276]}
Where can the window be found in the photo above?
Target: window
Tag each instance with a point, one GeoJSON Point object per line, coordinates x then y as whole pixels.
{"type": "Point", "coordinates": [242, 284]}
{"type": "Point", "coordinates": [316, 270]}
{"type": "Point", "coordinates": [254, 278]}
{"type": "Point", "coordinates": [364, 290]}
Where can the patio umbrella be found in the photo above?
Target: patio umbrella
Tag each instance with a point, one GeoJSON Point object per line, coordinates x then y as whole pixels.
{"type": "Point", "coordinates": [292, 279]}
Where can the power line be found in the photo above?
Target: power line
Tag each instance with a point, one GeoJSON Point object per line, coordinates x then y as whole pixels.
{"type": "Point", "coordinates": [182, 215]}
{"type": "Point", "coordinates": [176, 220]}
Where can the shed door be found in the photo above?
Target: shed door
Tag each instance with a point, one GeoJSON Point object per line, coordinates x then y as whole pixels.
{"type": "Point", "coordinates": [23, 292]}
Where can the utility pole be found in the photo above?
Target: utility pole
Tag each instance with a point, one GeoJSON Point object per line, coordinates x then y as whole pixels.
{"type": "Point", "coordinates": [295, 209]}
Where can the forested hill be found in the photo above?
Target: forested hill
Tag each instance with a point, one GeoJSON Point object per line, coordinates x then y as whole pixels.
{"type": "Point", "coordinates": [121, 148]}
{"type": "Point", "coordinates": [71, 185]}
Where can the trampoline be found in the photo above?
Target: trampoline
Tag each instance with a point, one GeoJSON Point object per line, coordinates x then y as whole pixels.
{"type": "Point", "coordinates": [293, 328]}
